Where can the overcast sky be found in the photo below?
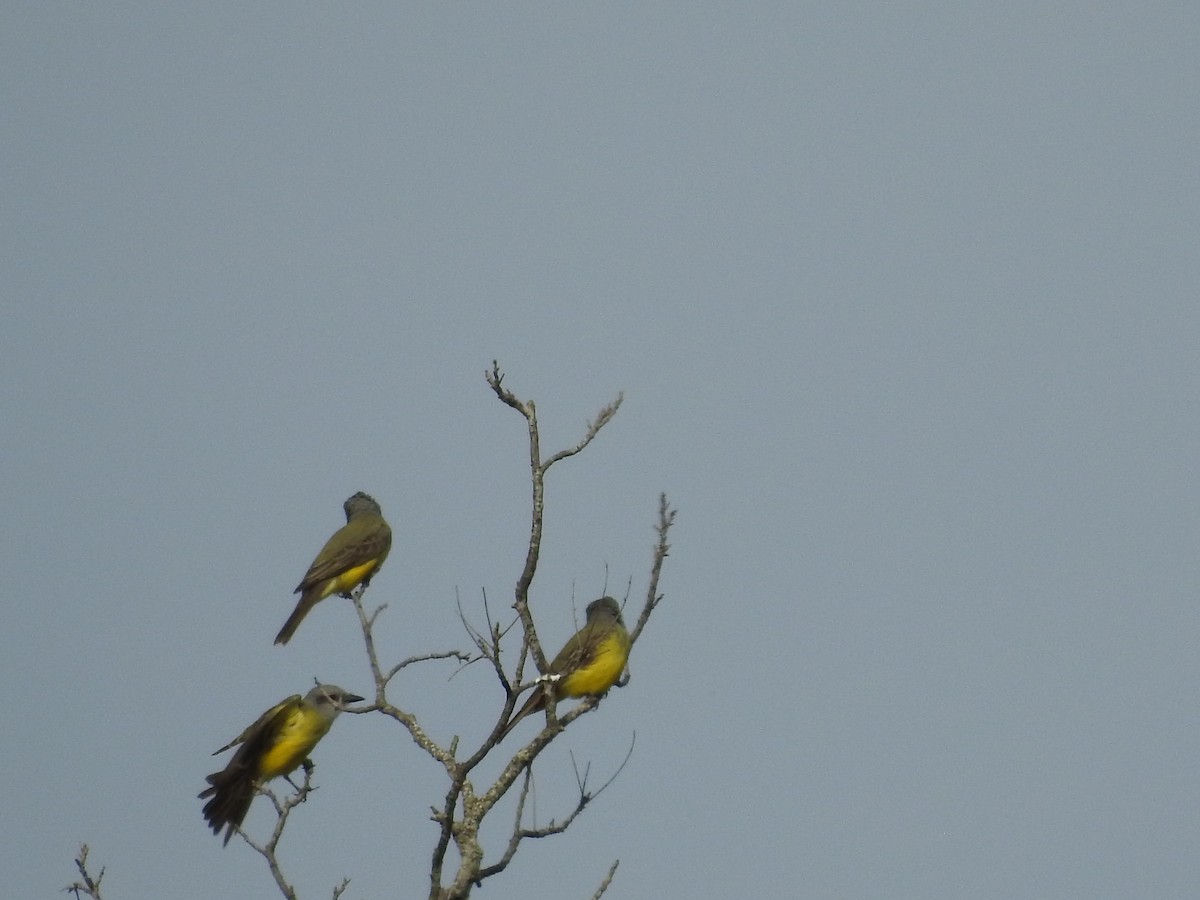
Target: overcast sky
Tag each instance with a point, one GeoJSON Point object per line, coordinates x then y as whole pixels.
{"type": "Point", "coordinates": [903, 300]}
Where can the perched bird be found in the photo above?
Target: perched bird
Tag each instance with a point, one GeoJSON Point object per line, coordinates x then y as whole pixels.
{"type": "Point", "coordinates": [349, 558]}
{"type": "Point", "coordinates": [590, 663]}
{"type": "Point", "coordinates": [275, 745]}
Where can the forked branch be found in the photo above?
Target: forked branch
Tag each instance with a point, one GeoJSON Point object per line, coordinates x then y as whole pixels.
{"type": "Point", "coordinates": [89, 886]}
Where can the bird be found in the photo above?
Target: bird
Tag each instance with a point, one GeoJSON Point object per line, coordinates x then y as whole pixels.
{"type": "Point", "coordinates": [350, 558]}
{"type": "Point", "coordinates": [278, 742]}
{"type": "Point", "coordinates": [589, 663]}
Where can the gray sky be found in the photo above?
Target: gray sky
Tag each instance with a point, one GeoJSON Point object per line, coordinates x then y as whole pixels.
{"type": "Point", "coordinates": [904, 302]}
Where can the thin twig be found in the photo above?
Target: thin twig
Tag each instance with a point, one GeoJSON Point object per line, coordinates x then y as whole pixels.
{"type": "Point", "coordinates": [514, 840]}
{"type": "Point", "coordinates": [367, 623]}
{"type": "Point", "coordinates": [425, 657]}
{"type": "Point", "coordinates": [482, 644]}
{"type": "Point", "coordinates": [666, 518]}
{"type": "Point", "coordinates": [612, 870]}
{"type": "Point", "coordinates": [283, 809]}
{"type": "Point", "coordinates": [593, 428]}
{"type": "Point", "coordinates": [520, 832]}
{"type": "Point", "coordinates": [89, 887]}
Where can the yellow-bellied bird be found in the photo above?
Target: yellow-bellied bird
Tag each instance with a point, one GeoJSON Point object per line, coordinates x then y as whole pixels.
{"type": "Point", "coordinates": [275, 745]}
{"type": "Point", "coordinates": [349, 558]}
{"type": "Point", "coordinates": [590, 663]}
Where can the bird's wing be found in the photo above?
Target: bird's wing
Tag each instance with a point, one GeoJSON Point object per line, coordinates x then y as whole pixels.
{"type": "Point", "coordinates": [254, 739]}
{"type": "Point", "coordinates": [580, 649]}
{"type": "Point", "coordinates": [358, 541]}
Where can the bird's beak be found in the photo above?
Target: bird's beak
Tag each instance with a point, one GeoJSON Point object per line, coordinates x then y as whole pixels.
{"type": "Point", "coordinates": [353, 698]}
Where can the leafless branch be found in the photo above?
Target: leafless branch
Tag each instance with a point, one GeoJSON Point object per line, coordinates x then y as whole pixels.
{"type": "Point", "coordinates": [482, 644]}
{"type": "Point", "coordinates": [495, 378]}
{"type": "Point", "coordinates": [89, 886]}
{"type": "Point", "coordinates": [283, 809]}
{"type": "Point", "coordinates": [612, 870]}
{"type": "Point", "coordinates": [520, 832]}
{"type": "Point", "coordinates": [367, 623]}
{"type": "Point", "coordinates": [382, 678]}
{"type": "Point", "coordinates": [425, 657]}
{"type": "Point", "coordinates": [488, 644]}
{"type": "Point", "coordinates": [582, 782]}
{"type": "Point", "coordinates": [593, 428]}
{"type": "Point", "coordinates": [514, 840]}
{"type": "Point", "coordinates": [666, 518]}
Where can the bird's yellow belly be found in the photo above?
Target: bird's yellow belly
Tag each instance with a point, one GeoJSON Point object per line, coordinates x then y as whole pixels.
{"type": "Point", "coordinates": [603, 672]}
{"type": "Point", "coordinates": [296, 740]}
{"type": "Point", "coordinates": [350, 579]}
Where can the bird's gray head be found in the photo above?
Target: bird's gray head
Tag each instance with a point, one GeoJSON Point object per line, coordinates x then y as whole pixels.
{"type": "Point", "coordinates": [360, 503]}
{"type": "Point", "coordinates": [330, 699]}
{"type": "Point", "coordinates": [604, 608]}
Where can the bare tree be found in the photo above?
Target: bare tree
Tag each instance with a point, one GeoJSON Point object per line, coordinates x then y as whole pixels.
{"type": "Point", "coordinates": [464, 806]}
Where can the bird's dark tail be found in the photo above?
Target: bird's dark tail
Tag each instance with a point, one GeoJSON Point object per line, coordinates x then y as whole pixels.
{"type": "Point", "coordinates": [231, 794]}
{"type": "Point", "coordinates": [536, 701]}
{"type": "Point", "coordinates": [307, 601]}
